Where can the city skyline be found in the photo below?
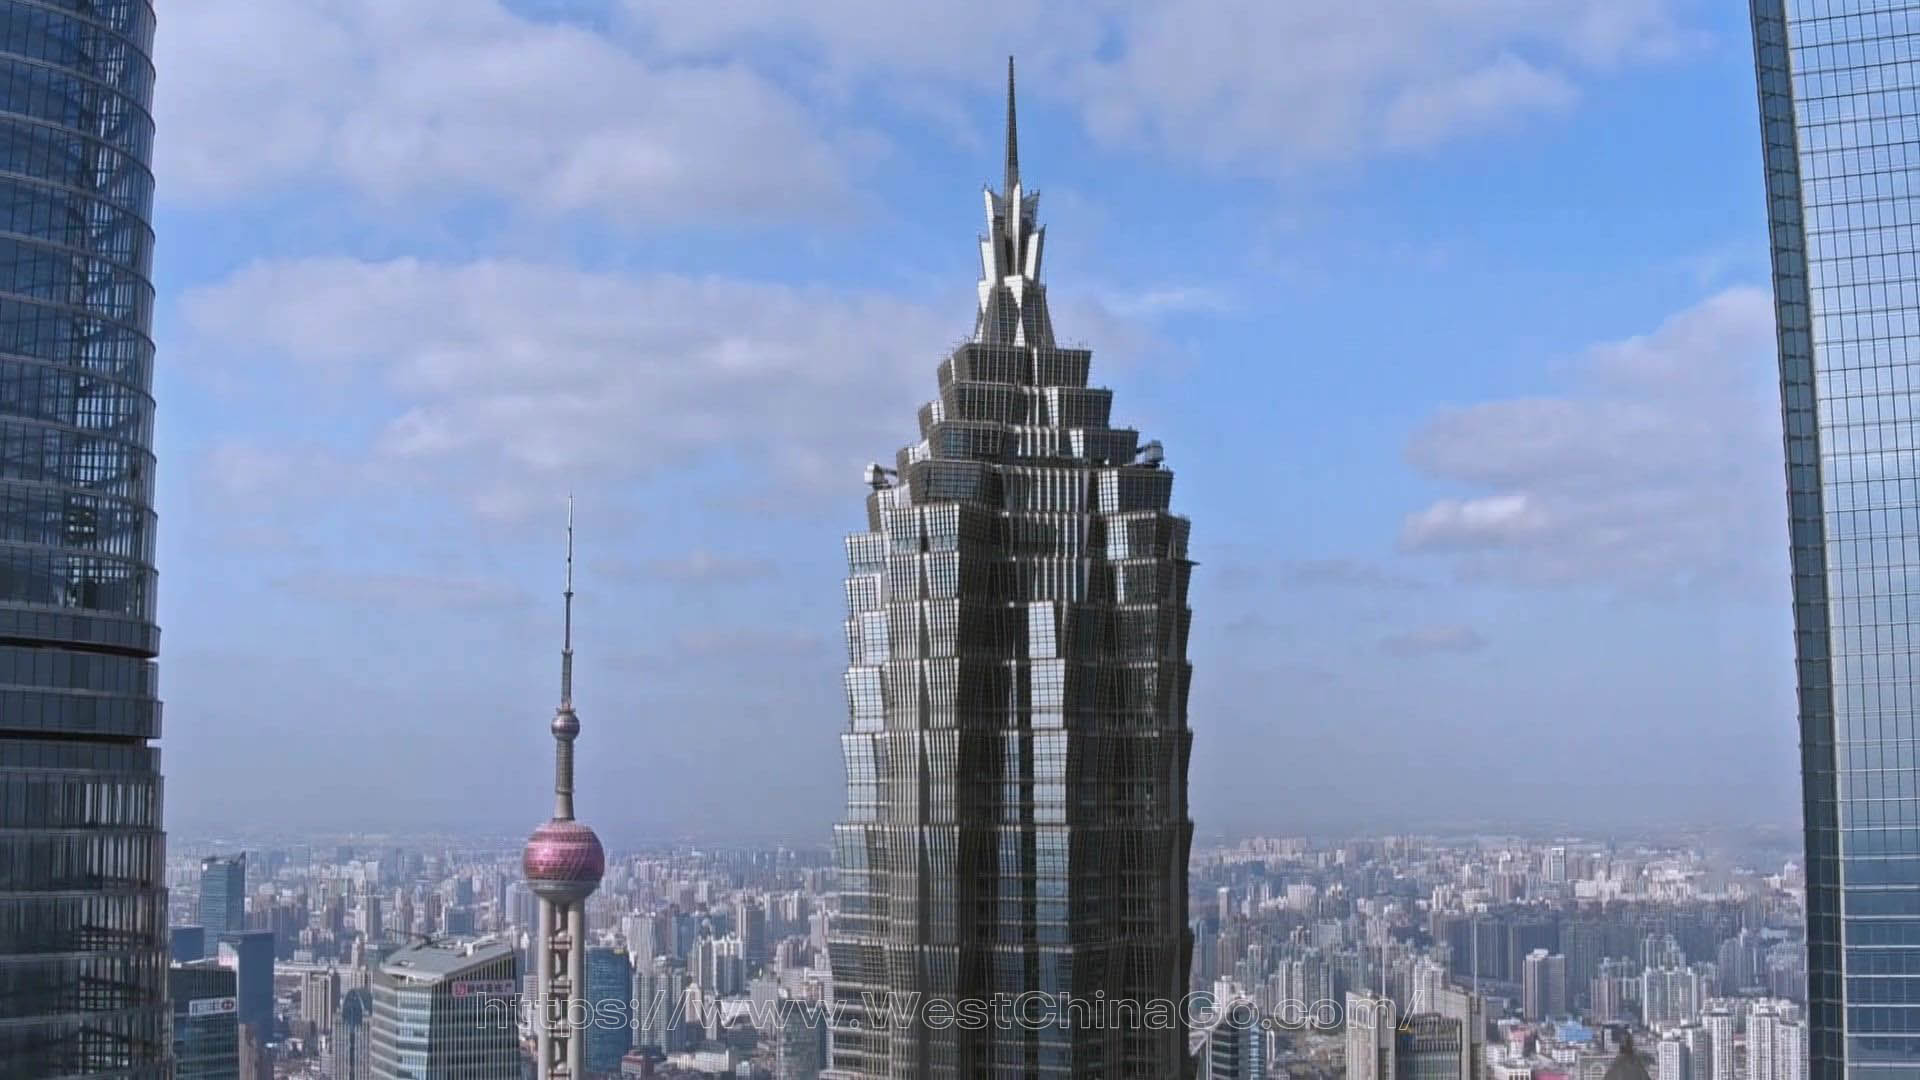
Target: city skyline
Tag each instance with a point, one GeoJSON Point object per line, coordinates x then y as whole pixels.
{"type": "Point", "coordinates": [1444, 313]}
{"type": "Point", "coordinates": [1415, 307]}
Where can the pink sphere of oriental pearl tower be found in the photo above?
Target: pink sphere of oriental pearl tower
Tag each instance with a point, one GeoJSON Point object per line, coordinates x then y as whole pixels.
{"type": "Point", "coordinates": [564, 862]}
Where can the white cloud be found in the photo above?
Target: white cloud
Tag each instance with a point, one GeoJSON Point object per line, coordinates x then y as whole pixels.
{"type": "Point", "coordinates": [1662, 467]}
{"type": "Point", "coordinates": [939, 38]}
{"type": "Point", "coordinates": [1240, 83]}
{"type": "Point", "coordinates": [1270, 85]}
{"type": "Point", "coordinates": [678, 113]}
{"type": "Point", "coordinates": [1460, 102]}
{"type": "Point", "coordinates": [1492, 519]}
{"type": "Point", "coordinates": [402, 99]}
{"type": "Point", "coordinates": [496, 380]}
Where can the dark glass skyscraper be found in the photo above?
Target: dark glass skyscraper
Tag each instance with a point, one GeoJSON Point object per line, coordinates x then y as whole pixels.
{"type": "Point", "coordinates": [1840, 117]}
{"type": "Point", "coordinates": [223, 894]}
{"type": "Point", "coordinates": [1017, 744]}
{"type": "Point", "coordinates": [609, 989]}
{"type": "Point", "coordinates": [83, 936]}
{"type": "Point", "coordinates": [206, 1022]}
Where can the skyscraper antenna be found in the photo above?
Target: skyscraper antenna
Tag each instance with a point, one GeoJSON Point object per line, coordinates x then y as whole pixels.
{"type": "Point", "coordinates": [566, 640]}
{"type": "Point", "coordinates": [1012, 179]}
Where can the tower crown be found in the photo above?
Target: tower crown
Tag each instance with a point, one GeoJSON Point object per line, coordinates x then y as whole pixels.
{"type": "Point", "coordinates": [564, 860]}
{"type": "Point", "coordinates": [1013, 303]}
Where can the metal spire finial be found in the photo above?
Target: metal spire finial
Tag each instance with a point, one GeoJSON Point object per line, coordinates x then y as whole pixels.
{"type": "Point", "coordinates": [566, 723]}
{"type": "Point", "coordinates": [566, 641]}
{"type": "Point", "coordinates": [1013, 141]}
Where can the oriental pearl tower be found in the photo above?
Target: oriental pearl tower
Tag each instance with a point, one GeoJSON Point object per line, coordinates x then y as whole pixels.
{"type": "Point", "coordinates": [563, 864]}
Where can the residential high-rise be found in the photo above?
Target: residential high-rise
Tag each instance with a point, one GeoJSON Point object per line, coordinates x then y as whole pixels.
{"type": "Point", "coordinates": [1555, 867]}
{"type": "Point", "coordinates": [1698, 1042]}
{"type": "Point", "coordinates": [83, 908]}
{"type": "Point", "coordinates": [1370, 1030]}
{"type": "Point", "coordinates": [1719, 1021]}
{"type": "Point", "coordinates": [1233, 1046]}
{"type": "Point", "coordinates": [1776, 1046]}
{"type": "Point", "coordinates": [659, 996]}
{"type": "Point", "coordinates": [1017, 744]}
{"type": "Point", "coordinates": [1469, 1009]}
{"type": "Point", "coordinates": [1843, 188]}
{"type": "Point", "coordinates": [1790, 1050]}
{"type": "Point", "coordinates": [1670, 1058]}
{"type": "Point", "coordinates": [223, 894]}
{"type": "Point", "coordinates": [320, 998]}
{"type": "Point", "coordinates": [1669, 996]}
{"type": "Point", "coordinates": [563, 863]}
{"type": "Point", "coordinates": [370, 922]}
{"type": "Point", "coordinates": [750, 922]}
{"type": "Point", "coordinates": [206, 1021]}
{"type": "Point", "coordinates": [444, 1010]}
{"type": "Point", "coordinates": [1543, 985]}
{"type": "Point", "coordinates": [1740, 960]}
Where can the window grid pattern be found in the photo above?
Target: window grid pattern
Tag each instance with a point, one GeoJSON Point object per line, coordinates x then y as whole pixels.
{"type": "Point", "coordinates": [1017, 744]}
{"type": "Point", "coordinates": [83, 938]}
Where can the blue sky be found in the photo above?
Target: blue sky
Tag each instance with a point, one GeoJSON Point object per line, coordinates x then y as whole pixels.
{"type": "Point", "coordinates": [1451, 316]}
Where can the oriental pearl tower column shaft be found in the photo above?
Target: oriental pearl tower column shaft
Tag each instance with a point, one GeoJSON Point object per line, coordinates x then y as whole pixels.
{"type": "Point", "coordinates": [563, 863]}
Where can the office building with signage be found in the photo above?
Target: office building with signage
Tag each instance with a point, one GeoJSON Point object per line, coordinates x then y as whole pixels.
{"type": "Point", "coordinates": [447, 1010]}
{"type": "Point", "coordinates": [206, 1021]}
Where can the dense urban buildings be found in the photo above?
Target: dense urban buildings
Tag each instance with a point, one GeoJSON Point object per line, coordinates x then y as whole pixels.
{"type": "Point", "coordinates": [1303, 923]}
{"type": "Point", "coordinates": [82, 901]}
{"type": "Point", "coordinates": [442, 1010]}
{"type": "Point", "coordinates": [1843, 187]}
{"type": "Point", "coordinates": [563, 864]}
{"type": "Point", "coordinates": [1017, 747]}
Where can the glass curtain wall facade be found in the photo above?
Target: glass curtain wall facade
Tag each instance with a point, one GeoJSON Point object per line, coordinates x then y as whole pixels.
{"type": "Point", "coordinates": [83, 938]}
{"type": "Point", "coordinates": [1017, 743]}
{"type": "Point", "coordinates": [1839, 95]}
{"type": "Point", "coordinates": [223, 894]}
{"type": "Point", "coordinates": [446, 1011]}
{"type": "Point", "coordinates": [206, 1022]}
{"type": "Point", "coordinates": [609, 989]}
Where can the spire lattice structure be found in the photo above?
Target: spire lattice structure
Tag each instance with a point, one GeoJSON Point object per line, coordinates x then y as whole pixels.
{"type": "Point", "coordinates": [563, 864]}
{"type": "Point", "coordinates": [1017, 743]}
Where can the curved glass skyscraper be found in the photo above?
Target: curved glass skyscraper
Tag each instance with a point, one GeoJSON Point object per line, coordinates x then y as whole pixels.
{"type": "Point", "coordinates": [83, 947]}
{"type": "Point", "coordinates": [1839, 85]}
{"type": "Point", "coordinates": [1015, 850]}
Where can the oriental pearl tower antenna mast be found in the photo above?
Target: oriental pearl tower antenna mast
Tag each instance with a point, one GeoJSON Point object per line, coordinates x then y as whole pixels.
{"type": "Point", "coordinates": [563, 864]}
